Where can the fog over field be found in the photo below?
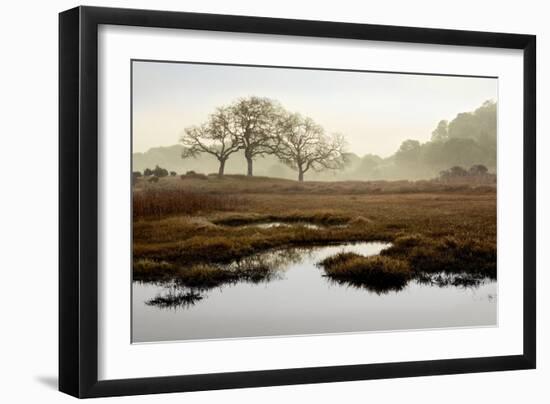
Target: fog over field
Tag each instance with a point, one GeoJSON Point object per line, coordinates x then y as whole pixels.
{"type": "Point", "coordinates": [395, 126]}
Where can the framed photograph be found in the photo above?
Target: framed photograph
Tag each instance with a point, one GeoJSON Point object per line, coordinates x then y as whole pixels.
{"type": "Point", "coordinates": [250, 201]}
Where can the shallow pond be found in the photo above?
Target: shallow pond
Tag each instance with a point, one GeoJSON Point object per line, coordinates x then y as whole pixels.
{"type": "Point", "coordinates": [272, 224]}
{"type": "Point", "coordinates": [284, 224]}
{"type": "Point", "coordinates": [298, 299]}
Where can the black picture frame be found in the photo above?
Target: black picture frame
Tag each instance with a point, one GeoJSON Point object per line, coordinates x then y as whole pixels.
{"type": "Point", "coordinates": [78, 201]}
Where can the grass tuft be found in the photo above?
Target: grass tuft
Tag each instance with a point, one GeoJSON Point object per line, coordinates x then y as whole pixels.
{"type": "Point", "coordinates": [377, 272]}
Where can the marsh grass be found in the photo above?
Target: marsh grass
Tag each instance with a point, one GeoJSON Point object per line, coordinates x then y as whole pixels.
{"type": "Point", "coordinates": [446, 230]}
{"type": "Point", "coordinates": [204, 276]}
{"type": "Point", "coordinates": [377, 272]}
{"type": "Point", "coordinates": [195, 240]}
{"type": "Point", "coordinates": [382, 273]}
{"type": "Point", "coordinates": [446, 254]}
{"type": "Point", "coordinates": [157, 203]}
{"type": "Point", "coordinates": [147, 266]}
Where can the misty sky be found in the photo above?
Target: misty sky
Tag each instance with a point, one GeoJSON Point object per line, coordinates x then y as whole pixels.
{"type": "Point", "coordinates": [375, 111]}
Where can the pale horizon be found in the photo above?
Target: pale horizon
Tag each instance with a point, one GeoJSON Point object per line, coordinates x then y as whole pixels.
{"type": "Point", "coordinates": [376, 112]}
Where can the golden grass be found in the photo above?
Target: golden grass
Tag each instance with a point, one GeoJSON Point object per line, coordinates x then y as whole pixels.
{"type": "Point", "coordinates": [147, 266]}
{"type": "Point", "coordinates": [158, 203]}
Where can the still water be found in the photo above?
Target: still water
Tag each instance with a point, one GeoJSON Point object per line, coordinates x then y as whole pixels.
{"type": "Point", "coordinates": [284, 224]}
{"type": "Point", "coordinates": [298, 299]}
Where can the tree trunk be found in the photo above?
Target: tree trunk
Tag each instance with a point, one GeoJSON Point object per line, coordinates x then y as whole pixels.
{"type": "Point", "coordinates": [300, 175]}
{"type": "Point", "coordinates": [249, 165]}
{"type": "Point", "coordinates": [222, 168]}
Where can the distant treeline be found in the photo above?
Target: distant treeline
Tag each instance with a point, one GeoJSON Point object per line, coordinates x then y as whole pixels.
{"type": "Point", "coordinates": [468, 140]}
{"type": "Point", "coordinates": [477, 173]}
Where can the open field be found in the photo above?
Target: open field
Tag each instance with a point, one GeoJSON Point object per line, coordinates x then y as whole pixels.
{"type": "Point", "coordinates": [433, 226]}
{"type": "Point", "coordinates": [241, 184]}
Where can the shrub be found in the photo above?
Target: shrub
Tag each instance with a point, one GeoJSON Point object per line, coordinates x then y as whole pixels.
{"type": "Point", "coordinates": [148, 172]}
{"type": "Point", "coordinates": [160, 172]}
{"type": "Point", "coordinates": [173, 173]}
{"type": "Point", "coordinates": [453, 172]}
{"type": "Point", "coordinates": [478, 170]}
{"type": "Point", "coordinates": [154, 179]}
{"type": "Point", "coordinates": [135, 176]}
{"type": "Point", "coordinates": [193, 175]}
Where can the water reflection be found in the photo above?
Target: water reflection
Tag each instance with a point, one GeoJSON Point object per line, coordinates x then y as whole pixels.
{"type": "Point", "coordinates": [174, 298]}
{"type": "Point", "coordinates": [284, 224]}
{"type": "Point", "coordinates": [191, 286]}
{"type": "Point", "coordinates": [445, 279]}
{"type": "Point", "coordinates": [272, 224]}
{"type": "Point", "coordinates": [285, 292]}
{"type": "Point", "coordinates": [379, 289]}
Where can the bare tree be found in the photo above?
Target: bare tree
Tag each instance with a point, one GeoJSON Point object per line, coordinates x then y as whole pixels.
{"type": "Point", "coordinates": [303, 145]}
{"type": "Point", "coordinates": [254, 122]}
{"type": "Point", "coordinates": [215, 137]}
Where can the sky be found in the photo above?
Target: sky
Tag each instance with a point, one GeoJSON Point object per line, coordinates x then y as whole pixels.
{"type": "Point", "coordinates": [374, 111]}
